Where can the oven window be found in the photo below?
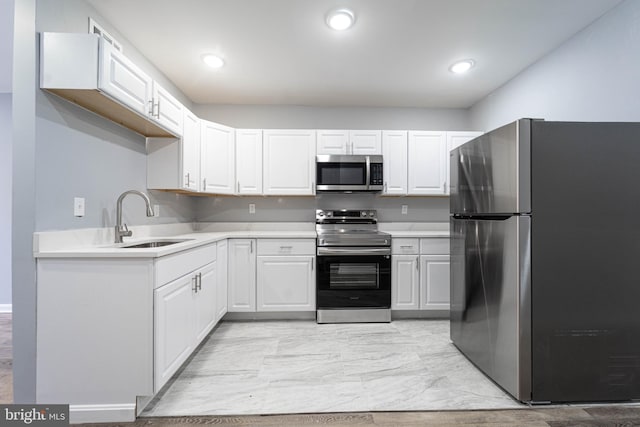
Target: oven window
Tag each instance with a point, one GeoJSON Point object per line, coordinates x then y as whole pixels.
{"type": "Point", "coordinates": [354, 276]}
{"type": "Point", "coordinates": [341, 174]}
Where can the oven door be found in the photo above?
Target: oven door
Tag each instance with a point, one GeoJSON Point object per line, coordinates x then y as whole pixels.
{"type": "Point", "coordinates": [350, 280]}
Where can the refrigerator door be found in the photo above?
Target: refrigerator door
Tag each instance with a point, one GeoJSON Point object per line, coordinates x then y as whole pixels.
{"type": "Point", "coordinates": [492, 173]}
{"type": "Point", "coordinates": [491, 298]}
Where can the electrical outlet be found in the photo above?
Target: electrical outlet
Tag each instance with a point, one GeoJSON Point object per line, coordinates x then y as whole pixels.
{"type": "Point", "coordinates": [156, 210]}
{"type": "Point", "coordinates": [78, 206]}
{"type": "Point", "coordinates": [252, 208]}
{"type": "Point", "coordinates": [405, 209]}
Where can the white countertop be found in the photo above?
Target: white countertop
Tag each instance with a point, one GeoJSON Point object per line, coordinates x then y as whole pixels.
{"type": "Point", "coordinates": [98, 242]}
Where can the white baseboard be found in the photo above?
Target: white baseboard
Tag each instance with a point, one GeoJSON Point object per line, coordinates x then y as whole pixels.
{"type": "Point", "coordinates": [119, 413]}
{"type": "Point", "coordinates": [6, 308]}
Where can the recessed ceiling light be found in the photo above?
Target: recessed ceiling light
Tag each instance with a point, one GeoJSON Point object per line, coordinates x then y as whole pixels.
{"type": "Point", "coordinates": [463, 66]}
{"type": "Point", "coordinates": [340, 19]}
{"type": "Point", "coordinates": [212, 61]}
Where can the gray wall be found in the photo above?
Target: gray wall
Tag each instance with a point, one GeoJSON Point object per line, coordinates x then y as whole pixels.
{"type": "Point", "coordinates": [5, 198]}
{"type": "Point", "coordinates": [302, 209]}
{"type": "Point", "coordinates": [6, 45]}
{"type": "Point", "coordinates": [592, 77]}
{"type": "Point", "coordinates": [301, 117]}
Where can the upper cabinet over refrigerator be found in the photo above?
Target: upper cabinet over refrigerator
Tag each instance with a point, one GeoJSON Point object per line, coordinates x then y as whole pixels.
{"type": "Point", "coordinates": [492, 175]}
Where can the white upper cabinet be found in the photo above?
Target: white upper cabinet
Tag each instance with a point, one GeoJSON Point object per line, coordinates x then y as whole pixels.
{"type": "Point", "coordinates": [332, 141]}
{"type": "Point", "coordinates": [289, 162]}
{"type": "Point", "coordinates": [166, 110]}
{"type": "Point", "coordinates": [455, 140]}
{"type": "Point", "coordinates": [427, 165]}
{"type": "Point", "coordinates": [123, 80]}
{"type": "Point", "coordinates": [190, 151]}
{"type": "Point", "coordinates": [217, 158]}
{"type": "Point", "coordinates": [349, 142]}
{"type": "Point", "coordinates": [248, 161]}
{"type": "Point", "coordinates": [365, 141]}
{"type": "Point", "coordinates": [394, 145]}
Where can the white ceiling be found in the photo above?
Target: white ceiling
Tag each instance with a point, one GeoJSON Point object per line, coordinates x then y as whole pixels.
{"type": "Point", "coordinates": [396, 55]}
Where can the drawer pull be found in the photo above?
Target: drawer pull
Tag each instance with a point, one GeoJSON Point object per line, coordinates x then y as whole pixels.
{"type": "Point", "coordinates": [286, 247]}
{"type": "Point", "coordinates": [406, 246]}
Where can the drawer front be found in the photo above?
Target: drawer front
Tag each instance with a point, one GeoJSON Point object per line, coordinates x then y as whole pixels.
{"type": "Point", "coordinates": [286, 246]}
{"type": "Point", "coordinates": [172, 266]}
{"type": "Point", "coordinates": [405, 246]}
{"type": "Point", "coordinates": [434, 246]}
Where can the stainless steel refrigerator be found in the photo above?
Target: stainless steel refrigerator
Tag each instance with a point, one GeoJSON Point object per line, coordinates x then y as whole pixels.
{"type": "Point", "coordinates": [545, 259]}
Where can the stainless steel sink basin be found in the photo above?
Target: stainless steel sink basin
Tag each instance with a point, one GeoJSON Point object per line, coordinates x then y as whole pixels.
{"type": "Point", "coordinates": [153, 244]}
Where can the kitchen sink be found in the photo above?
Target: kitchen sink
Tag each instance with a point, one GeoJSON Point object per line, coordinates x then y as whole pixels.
{"type": "Point", "coordinates": [153, 244]}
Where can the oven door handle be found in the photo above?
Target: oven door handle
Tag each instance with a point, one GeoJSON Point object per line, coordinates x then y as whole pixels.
{"type": "Point", "coordinates": [354, 251]}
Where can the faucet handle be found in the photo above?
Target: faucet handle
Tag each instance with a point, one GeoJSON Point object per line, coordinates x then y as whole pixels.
{"type": "Point", "coordinates": [125, 232]}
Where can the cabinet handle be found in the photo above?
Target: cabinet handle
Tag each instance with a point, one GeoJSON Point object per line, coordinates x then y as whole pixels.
{"type": "Point", "coordinates": [417, 263]}
{"type": "Point", "coordinates": [204, 184]}
{"type": "Point", "coordinates": [158, 105]}
{"type": "Point", "coordinates": [312, 262]}
{"type": "Point", "coordinates": [251, 246]}
{"type": "Point", "coordinates": [187, 181]}
{"type": "Point", "coordinates": [199, 281]}
{"type": "Point", "coordinates": [194, 279]}
{"type": "Point", "coordinates": [238, 186]}
{"type": "Point", "coordinates": [406, 246]}
{"type": "Point", "coordinates": [151, 107]}
{"type": "Point", "coordinates": [286, 247]}
{"type": "Point", "coordinates": [385, 187]}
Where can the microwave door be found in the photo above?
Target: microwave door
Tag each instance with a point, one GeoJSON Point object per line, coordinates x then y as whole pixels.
{"type": "Point", "coordinates": [341, 176]}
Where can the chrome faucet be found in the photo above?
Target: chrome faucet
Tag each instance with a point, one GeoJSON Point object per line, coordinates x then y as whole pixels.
{"type": "Point", "coordinates": [121, 229]}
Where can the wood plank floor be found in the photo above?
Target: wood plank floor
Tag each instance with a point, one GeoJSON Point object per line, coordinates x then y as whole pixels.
{"type": "Point", "coordinates": [566, 416]}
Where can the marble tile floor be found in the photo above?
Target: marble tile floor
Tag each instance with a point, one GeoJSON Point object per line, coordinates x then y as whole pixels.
{"type": "Point", "coordinates": [295, 367]}
{"type": "Point", "coordinates": [6, 359]}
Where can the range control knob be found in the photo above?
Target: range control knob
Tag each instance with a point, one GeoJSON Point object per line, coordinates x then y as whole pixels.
{"type": "Point", "coordinates": [372, 214]}
{"type": "Point", "coordinates": [329, 214]}
{"type": "Point", "coordinates": [363, 214]}
{"type": "Point", "coordinates": [321, 214]}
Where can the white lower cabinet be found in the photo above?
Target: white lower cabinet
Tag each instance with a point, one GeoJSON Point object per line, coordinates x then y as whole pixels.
{"type": "Point", "coordinates": [184, 308]}
{"type": "Point", "coordinates": [271, 275]}
{"type": "Point", "coordinates": [434, 280]}
{"type": "Point", "coordinates": [405, 282]}
{"type": "Point", "coordinates": [221, 295]}
{"type": "Point", "coordinates": [286, 283]}
{"type": "Point", "coordinates": [420, 274]}
{"type": "Point", "coordinates": [242, 275]}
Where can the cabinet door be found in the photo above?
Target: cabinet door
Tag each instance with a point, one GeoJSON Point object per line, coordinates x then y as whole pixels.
{"type": "Point", "coordinates": [394, 145]}
{"type": "Point", "coordinates": [427, 163]}
{"type": "Point", "coordinates": [455, 140]}
{"type": "Point", "coordinates": [204, 298]}
{"type": "Point", "coordinates": [289, 162]}
{"type": "Point", "coordinates": [190, 151]}
{"type": "Point", "coordinates": [123, 80]}
{"type": "Point", "coordinates": [217, 158]}
{"type": "Point", "coordinates": [332, 142]}
{"type": "Point", "coordinates": [242, 275]}
{"type": "Point", "coordinates": [173, 327]}
{"type": "Point", "coordinates": [286, 283]}
{"type": "Point", "coordinates": [166, 110]}
{"type": "Point", "coordinates": [365, 141]}
{"type": "Point", "coordinates": [248, 161]}
{"type": "Point", "coordinates": [434, 282]}
{"type": "Point", "coordinates": [405, 283]}
{"type": "Point", "coordinates": [221, 296]}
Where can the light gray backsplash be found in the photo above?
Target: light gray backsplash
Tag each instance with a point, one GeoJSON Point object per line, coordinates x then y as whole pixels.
{"type": "Point", "coordinates": [303, 117]}
{"type": "Point", "coordinates": [6, 130]}
{"type": "Point", "coordinates": [591, 77]}
{"type": "Point", "coordinates": [297, 209]}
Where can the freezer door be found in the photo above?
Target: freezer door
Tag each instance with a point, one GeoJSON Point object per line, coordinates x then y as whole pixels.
{"type": "Point", "coordinates": [492, 173]}
{"type": "Point", "coordinates": [491, 298]}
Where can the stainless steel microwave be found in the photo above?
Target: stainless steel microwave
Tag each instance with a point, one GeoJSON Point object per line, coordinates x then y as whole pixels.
{"type": "Point", "coordinates": [347, 173]}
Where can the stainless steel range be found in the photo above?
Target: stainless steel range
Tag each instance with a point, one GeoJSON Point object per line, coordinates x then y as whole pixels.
{"type": "Point", "coordinates": [353, 278]}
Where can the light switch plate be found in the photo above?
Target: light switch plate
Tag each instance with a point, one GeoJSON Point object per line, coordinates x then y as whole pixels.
{"type": "Point", "coordinates": [78, 206]}
{"type": "Point", "coordinates": [252, 208]}
{"type": "Point", "coordinates": [405, 209]}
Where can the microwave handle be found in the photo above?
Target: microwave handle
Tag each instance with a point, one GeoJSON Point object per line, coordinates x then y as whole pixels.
{"type": "Point", "coordinates": [368, 175]}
